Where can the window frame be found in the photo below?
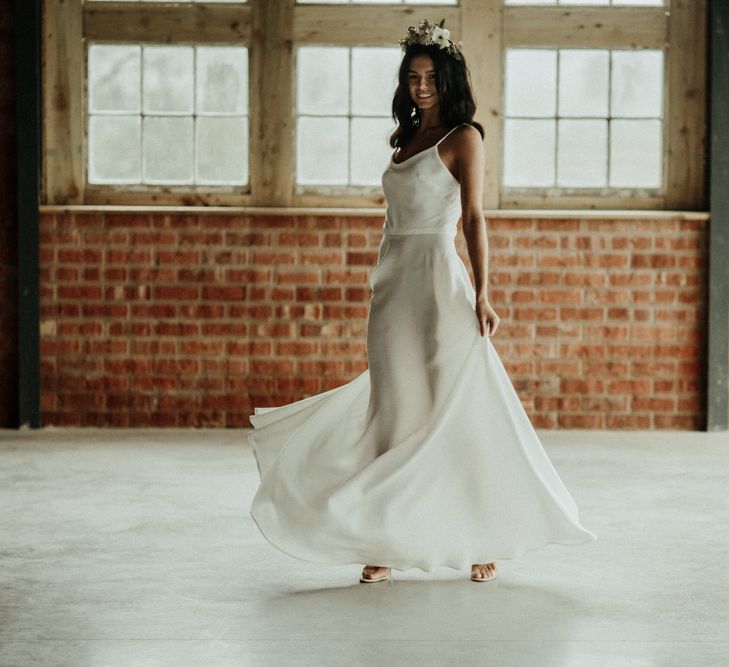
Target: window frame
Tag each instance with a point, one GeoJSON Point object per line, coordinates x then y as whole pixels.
{"type": "Point", "coordinates": [486, 27]}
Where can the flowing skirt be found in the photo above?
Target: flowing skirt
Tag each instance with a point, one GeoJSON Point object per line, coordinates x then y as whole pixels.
{"type": "Point", "coordinates": [427, 459]}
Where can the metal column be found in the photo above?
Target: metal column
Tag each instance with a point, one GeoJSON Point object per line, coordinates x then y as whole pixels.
{"type": "Point", "coordinates": [717, 394]}
{"type": "Point", "coordinates": [28, 127]}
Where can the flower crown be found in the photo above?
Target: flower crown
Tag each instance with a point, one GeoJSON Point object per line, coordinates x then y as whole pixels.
{"type": "Point", "coordinates": [428, 33]}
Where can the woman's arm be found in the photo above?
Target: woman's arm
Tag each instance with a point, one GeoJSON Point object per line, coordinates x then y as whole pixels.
{"type": "Point", "coordinates": [470, 166]}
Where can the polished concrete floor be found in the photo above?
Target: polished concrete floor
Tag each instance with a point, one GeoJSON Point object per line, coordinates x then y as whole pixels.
{"type": "Point", "coordinates": [135, 548]}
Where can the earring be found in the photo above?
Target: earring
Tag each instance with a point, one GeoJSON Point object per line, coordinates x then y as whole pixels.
{"type": "Point", "coordinates": [415, 116]}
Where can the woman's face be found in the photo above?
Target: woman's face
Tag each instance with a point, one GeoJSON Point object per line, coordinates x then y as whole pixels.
{"type": "Point", "coordinates": [421, 82]}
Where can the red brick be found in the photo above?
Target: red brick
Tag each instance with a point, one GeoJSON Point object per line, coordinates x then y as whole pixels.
{"type": "Point", "coordinates": [207, 315]}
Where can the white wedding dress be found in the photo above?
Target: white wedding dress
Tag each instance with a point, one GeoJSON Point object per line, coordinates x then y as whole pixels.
{"type": "Point", "coordinates": [426, 459]}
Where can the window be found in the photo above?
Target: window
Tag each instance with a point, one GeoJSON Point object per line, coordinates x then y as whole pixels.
{"type": "Point", "coordinates": [374, 2]}
{"type": "Point", "coordinates": [594, 3]}
{"type": "Point", "coordinates": [343, 100]}
{"type": "Point", "coordinates": [287, 103]}
{"type": "Point", "coordinates": [167, 114]}
{"type": "Point", "coordinates": [583, 118]}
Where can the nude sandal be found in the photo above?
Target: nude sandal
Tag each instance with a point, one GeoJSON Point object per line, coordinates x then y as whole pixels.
{"type": "Point", "coordinates": [487, 578]}
{"type": "Point", "coordinates": [381, 578]}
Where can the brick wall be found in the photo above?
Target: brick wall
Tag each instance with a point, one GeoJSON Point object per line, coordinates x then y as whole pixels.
{"type": "Point", "coordinates": [191, 320]}
{"type": "Point", "coordinates": [8, 237]}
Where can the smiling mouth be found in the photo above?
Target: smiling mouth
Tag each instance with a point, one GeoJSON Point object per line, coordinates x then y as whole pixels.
{"type": "Point", "coordinates": [422, 97]}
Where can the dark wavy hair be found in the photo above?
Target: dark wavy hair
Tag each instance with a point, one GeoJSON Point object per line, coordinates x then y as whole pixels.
{"type": "Point", "coordinates": [453, 83]}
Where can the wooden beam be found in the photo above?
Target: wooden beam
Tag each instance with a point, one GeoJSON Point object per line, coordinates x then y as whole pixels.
{"type": "Point", "coordinates": [63, 85]}
{"type": "Point", "coordinates": [685, 122]}
{"type": "Point", "coordinates": [482, 47]}
{"type": "Point", "coordinates": [352, 25]}
{"type": "Point", "coordinates": [272, 103]}
{"type": "Point", "coordinates": [374, 212]}
{"type": "Point", "coordinates": [166, 23]}
{"type": "Point", "coordinates": [589, 27]}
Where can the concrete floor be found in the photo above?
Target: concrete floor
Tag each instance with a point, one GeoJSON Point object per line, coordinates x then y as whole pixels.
{"type": "Point", "coordinates": [135, 548]}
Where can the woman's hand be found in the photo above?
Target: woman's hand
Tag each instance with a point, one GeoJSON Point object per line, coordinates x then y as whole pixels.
{"type": "Point", "coordinates": [487, 318]}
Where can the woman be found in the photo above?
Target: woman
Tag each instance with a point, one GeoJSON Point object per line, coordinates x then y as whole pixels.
{"type": "Point", "coordinates": [427, 458]}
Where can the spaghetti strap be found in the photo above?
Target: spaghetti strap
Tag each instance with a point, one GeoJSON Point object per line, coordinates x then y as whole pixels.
{"type": "Point", "coordinates": [447, 133]}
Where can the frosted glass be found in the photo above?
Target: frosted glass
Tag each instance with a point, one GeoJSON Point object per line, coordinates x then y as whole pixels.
{"type": "Point", "coordinates": [114, 149]}
{"type": "Point", "coordinates": [637, 83]}
{"type": "Point", "coordinates": [322, 148]}
{"type": "Point", "coordinates": [374, 79]}
{"type": "Point", "coordinates": [635, 153]}
{"type": "Point", "coordinates": [222, 79]}
{"type": "Point", "coordinates": [583, 82]}
{"type": "Point", "coordinates": [240, 2]}
{"type": "Point", "coordinates": [529, 152]}
{"type": "Point", "coordinates": [114, 75]}
{"type": "Point", "coordinates": [582, 153]}
{"type": "Point", "coordinates": [374, 2]}
{"type": "Point", "coordinates": [370, 150]}
{"type": "Point", "coordinates": [322, 80]}
{"type": "Point", "coordinates": [221, 146]}
{"type": "Point", "coordinates": [531, 82]}
{"type": "Point", "coordinates": [168, 78]}
{"type": "Point", "coordinates": [167, 149]}
{"type": "Point", "coordinates": [644, 3]}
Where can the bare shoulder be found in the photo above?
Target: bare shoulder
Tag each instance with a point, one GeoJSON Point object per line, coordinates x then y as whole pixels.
{"type": "Point", "coordinates": [467, 142]}
{"type": "Point", "coordinates": [468, 136]}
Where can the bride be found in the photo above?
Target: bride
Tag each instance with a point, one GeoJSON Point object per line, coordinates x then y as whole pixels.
{"type": "Point", "coordinates": [427, 458]}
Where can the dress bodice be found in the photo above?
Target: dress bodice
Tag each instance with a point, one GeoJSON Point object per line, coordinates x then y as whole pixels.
{"type": "Point", "coordinates": [422, 195]}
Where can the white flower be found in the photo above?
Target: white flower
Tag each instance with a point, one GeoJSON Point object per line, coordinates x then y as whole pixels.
{"type": "Point", "coordinates": [440, 36]}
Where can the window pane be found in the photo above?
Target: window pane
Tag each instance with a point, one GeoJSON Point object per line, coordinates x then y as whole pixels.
{"type": "Point", "coordinates": [347, 144]}
{"type": "Point", "coordinates": [529, 152]}
{"type": "Point", "coordinates": [644, 3]}
{"type": "Point", "coordinates": [582, 153]}
{"type": "Point", "coordinates": [322, 150]}
{"type": "Point", "coordinates": [114, 149]}
{"type": "Point", "coordinates": [222, 79]}
{"type": "Point", "coordinates": [322, 78]}
{"type": "Point", "coordinates": [635, 153]}
{"type": "Point", "coordinates": [374, 79]}
{"type": "Point", "coordinates": [583, 82]}
{"type": "Point", "coordinates": [370, 151]}
{"type": "Point", "coordinates": [374, 2]}
{"type": "Point", "coordinates": [114, 76]}
{"type": "Point", "coordinates": [221, 145]}
{"type": "Point", "coordinates": [531, 82]}
{"type": "Point", "coordinates": [167, 149]}
{"type": "Point", "coordinates": [241, 2]}
{"type": "Point", "coordinates": [167, 79]}
{"type": "Point", "coordinates": [637, 83]}
{"type": "Point", "coordinates": [594, 84]}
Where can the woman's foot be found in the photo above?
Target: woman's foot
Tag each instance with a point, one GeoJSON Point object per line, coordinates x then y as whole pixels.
{"type": "Point", "coordinates": [375, 573]}
{"type": "Point", "coordinates": [483, 572]}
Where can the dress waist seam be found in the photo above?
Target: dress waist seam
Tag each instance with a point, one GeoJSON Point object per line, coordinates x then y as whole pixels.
{"type": "Point", "coordinates": [448, 232]}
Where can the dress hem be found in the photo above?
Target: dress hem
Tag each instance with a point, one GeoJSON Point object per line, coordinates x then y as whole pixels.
{"type": "Point", "coordinates": [463, 565]}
